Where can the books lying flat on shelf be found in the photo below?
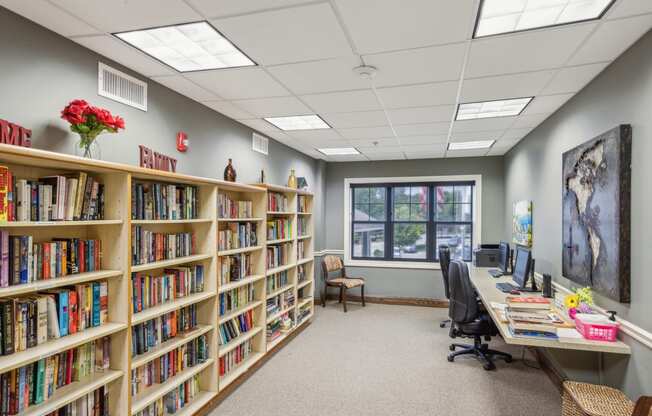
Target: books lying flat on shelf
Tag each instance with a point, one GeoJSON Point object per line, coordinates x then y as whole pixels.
{"type": "Point", "coordinates": [162, 368]}
{"type": "Point", "coordinates": [237, 235]}
{"type": "Point", "coordinates": [302, 203]}
{"type": "Point", "coordinates": [281, 301]}
{"type": "Point", "coordinates": [150, 334]}
{"type": "Point", "coordinates": [277, 281]}
{"type": "Point", "coordinates": [177, 399]}
{"type": "Point", "coordinates": [279, 229]}
{"type": "Point", "coordinates": [24, 261]}
{"type": "Point", "coordinates": [75, 196]}
{"type": "Point", "coordinates": [163, 201]}
{"type": "Point", "coordinates": [236, 298]}
{"type": "Point", "coordinates": [26, 322]}
{"type": "Point", "coordinates": [277, 202]}
{"type": "Point", "coordinates": [237, 326]}
{"type": "Point", "coordinates": [528, 302]}
{"type": "Point", "coordinates": [174, 283]}
{"type": "Point", "coordinates": [278, 255]}
{"type": "Point", "coordinates": [149, 247]}
{"type": "Point", "coordinates": [95, 403]}
{"type": "Point", "coordinates": [231, 360]}
{"type": "Point", "coordinates": [234, 268]}
{"type": "Point", "coordinates": [229, 208]}
{"type": "Point", "coordinates": [36, 382]}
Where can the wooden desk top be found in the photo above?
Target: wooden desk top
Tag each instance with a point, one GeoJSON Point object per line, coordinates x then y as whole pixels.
{"type": "Point", "coordinates": [485, 285]}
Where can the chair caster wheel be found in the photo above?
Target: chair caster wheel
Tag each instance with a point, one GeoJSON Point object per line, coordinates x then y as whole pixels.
{"type": "Point", "coordinates": [508, 359]}
{"type": "Point", "coordinates": [442, 325]}
{"type": "Point", "coordinates": [451, 347]}
{"type": "Point", "coordinates": [488, 367]}
{"type": "Point", "coordinates": [451, 359]}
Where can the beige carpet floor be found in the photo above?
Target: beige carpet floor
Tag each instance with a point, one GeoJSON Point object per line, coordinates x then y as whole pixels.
{"type": "Point", "coordinates": [387, 360]}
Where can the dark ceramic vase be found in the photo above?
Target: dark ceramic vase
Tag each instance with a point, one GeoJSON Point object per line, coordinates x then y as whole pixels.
{"type": "Point", "coordinates": [229, 172]}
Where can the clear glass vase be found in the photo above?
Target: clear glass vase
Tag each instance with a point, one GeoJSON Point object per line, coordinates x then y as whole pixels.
{"type": "Point", "coordinates": [88, 147]}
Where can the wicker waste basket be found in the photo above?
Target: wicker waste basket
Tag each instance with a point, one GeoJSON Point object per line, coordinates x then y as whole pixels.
{"type": "Point", "coordinates": [584, 399]}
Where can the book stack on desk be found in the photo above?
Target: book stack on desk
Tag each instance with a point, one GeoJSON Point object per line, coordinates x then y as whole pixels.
{"type": "Point", "coordinates": [532, 317]}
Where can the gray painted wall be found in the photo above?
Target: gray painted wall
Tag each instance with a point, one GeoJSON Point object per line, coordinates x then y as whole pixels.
{"type": "Point", "coordinates": [622, 94]}
{"type": "Point", "coordinates": [411, 282]}
{"type": "Point", "coordinates": [40, 72]}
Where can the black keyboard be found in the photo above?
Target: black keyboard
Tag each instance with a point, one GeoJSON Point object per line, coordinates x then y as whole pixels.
{"type": "Point", "coordinates": [506, 287]}
{"type": "Point", "coordinates": [495, 272]}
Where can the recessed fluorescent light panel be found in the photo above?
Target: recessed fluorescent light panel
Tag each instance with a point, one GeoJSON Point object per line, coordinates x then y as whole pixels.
{"type": "Point", "coordinates": [489, 109]}
{"type": "Point", "coordinates": [187, 47]}
{"type": "Point", "coordinates": [480, 144]}
{"type": "Point", "coordinates": [505, 16]}
{"type": "Point", "coordinates": [307, 122]}
{"type": "Point", "coordinates": [338, 151]}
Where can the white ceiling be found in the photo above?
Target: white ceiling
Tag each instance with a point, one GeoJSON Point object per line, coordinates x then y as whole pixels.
{"type": "Point", "coordinates": [426, 58]}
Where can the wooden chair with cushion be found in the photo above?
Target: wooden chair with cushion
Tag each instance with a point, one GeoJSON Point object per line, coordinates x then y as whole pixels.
{"type": "Point", "coordinates": [333, 264]}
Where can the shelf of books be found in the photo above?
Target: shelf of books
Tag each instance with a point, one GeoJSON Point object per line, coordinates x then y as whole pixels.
{"type": "Point", "coordinates": [241, 256]}
{"type": "Point", "coordinates": [64, 268]}
{"type": "Point", "coordinates": [173, 293]}
{"type": "Point", "coordinates": [139, 292]}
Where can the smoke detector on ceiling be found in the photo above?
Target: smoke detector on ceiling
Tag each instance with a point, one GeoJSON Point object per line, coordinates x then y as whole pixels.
{"type": "Point", "coordinates": [365, 71]}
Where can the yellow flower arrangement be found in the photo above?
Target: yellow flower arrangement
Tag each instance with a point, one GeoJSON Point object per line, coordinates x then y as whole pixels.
{"type": "Point", "coordinates": [571, 301]}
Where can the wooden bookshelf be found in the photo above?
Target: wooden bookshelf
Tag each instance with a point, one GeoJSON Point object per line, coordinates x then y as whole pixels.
{"type": "Point", "coordinates": [115, 232]}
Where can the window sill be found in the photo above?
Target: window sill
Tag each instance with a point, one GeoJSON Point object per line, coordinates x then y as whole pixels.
{"type": "Point", "coordinates": [393, 264]}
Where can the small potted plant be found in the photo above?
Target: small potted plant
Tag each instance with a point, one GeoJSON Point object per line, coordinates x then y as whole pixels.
{"type": "Point", "coordinates": [89, 122]}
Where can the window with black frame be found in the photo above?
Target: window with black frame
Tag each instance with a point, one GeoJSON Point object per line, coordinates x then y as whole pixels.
{"type": "Point", "coordinates": [408, 221]}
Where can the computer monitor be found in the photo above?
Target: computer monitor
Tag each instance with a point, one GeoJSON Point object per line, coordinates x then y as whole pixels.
{"type": "Point", "coordinates": [521, 271]}
{"type": "Point", "coordinates": [503, 260]}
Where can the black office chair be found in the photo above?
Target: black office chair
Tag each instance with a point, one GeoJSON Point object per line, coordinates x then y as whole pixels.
{"type": "Point", "coordinates": [468, 320]}
{"type": "Point", "coordinates": [444, 261]}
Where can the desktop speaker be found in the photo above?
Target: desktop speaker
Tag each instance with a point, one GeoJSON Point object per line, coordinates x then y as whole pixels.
{"type": "Point", "coordinates": [547, 286]}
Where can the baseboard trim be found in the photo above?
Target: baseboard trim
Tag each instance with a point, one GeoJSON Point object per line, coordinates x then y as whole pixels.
{"type": "Point", "coordinates": [390, 300]}
{"type": "Point", "coordinates": [223, 394]}
{"type": "Point", "coordinates": [547, 366]}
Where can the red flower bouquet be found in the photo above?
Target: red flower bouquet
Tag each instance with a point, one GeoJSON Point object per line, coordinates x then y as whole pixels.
{"type": "Point", "coordinates": [89, 122]}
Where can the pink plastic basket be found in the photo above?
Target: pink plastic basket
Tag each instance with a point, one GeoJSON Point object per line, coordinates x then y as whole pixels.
{"type": "Point", "coordinates": [597, 332]}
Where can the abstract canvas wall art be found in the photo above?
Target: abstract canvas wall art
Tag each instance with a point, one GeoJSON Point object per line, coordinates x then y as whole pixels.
{"type": "Point", "coordinates": [596, 199]}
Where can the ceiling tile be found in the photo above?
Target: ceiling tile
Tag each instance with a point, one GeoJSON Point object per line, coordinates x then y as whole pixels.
{"type": "Point", "coordinates": [421, 114]}
{"type": "Point", "coordinates": [498, 151]}
{"type": "Point", "coordinates": [287, 35]}
{"type": "Point", "coordinates": [221, 8]}
{"type": "Point", "coordinates": [239, 83]}
{"type": "Point", "coordinates": [419, 95]}
{"type": "Point", "coordinates": [320, 144]}
{"type": "Point", "coordinates": [486, 124]}
{"type": "Point", "coordinates": [385, 156]}
{"type": "Point", "coordinates": [624, 8]}
{"type": "Point", "coordinates": [379, 25]}
{"type": "Point", "coordinates": [611, 39]}
{"type": "Point", "coordinates": [424, 129]}
{"type": "Point", "coordinates": [529, 120]}
{"type": "Point", "coordinates": [228, 109]}
{"type": "Point", "coordinates": [130, 57]}
{"type": "Point", "coordinates": [515, 134]}
{"type": "Point", "coordinates": [573, 79]}
{"type": "Point", "coordinates": [505, 86]}
{"type": "Point", "coordinates": [118, 16]}
{"type": "Point", "coordinates": [420, 154]}
{"type": "Point", "coordinates": [429, 147]}
{"type": "Point", "coordinates": [376, 145]}
{"type": "Point", "coordinates": [348, 158]}
{"type": "Point", "coordinates": [260, 125]}
{"type": "Point", "coordinates": [546, 104]}
{"type": "Point", "coordinates": [357, 119]}
{"type": "Point", "coordinates": [321, 134]}
{"type": "Point", "coordinates": [471, 136]}
{"type": "Point", "coordinates": [320, 76]}
{"type": "Point", "coordinates": [185, 87]}
{"type": "Point", "coordinates": [414, 66]}
{"type": "Point", "coordinates": [366, 133]}
{"type": "Point", "coordinates": [525, 51]}
{"type": "Point", "coordinates": [466, 153]}
{"type": "Point", "coordinates": [273, 107]}
{"type": "Point", "coordinates": [344, 102]}
{"type": "Point", "coordinates": [50, 16]}
{"type": "Point", "coordinates": [416, 140]}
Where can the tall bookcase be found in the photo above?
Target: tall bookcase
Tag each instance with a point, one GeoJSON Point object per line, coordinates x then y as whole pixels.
{"type": "Point", "coordinates": [117, 233]}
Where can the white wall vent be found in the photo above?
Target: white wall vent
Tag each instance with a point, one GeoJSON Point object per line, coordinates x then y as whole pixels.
{"type": "Point", "coordinates": [260, 143]}
{"type": "Point", "coordinates": [121, 87]}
